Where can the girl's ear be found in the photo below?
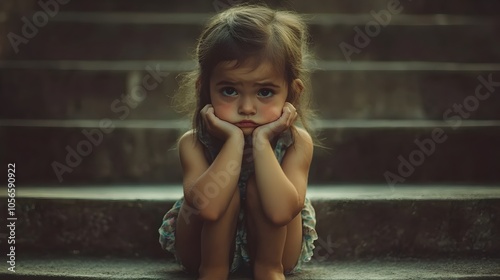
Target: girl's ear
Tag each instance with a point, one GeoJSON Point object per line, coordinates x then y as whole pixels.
{"type": "Point", "coordinates": [297, 87]}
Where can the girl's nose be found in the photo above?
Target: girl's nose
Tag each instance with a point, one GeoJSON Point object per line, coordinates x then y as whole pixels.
{"type": "Point", "coordinates": [246, 107]}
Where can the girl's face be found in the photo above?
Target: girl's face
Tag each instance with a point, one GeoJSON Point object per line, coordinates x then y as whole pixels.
{"type": "Point", "coordinates": [247, 96]}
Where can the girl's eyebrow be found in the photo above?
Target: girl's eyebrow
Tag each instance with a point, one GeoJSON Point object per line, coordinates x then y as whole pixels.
{"type": "Point", "coordinates": [263, 84]}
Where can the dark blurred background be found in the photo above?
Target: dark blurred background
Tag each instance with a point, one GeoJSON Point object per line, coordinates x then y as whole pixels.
{"type": "Point", "coordinates": [71, 69]}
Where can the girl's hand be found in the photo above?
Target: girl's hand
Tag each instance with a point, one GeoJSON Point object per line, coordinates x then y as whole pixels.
{"type": "Point", "coordinates": [268, 131]}
{"type": "Point", "coordinates": [217, 127]}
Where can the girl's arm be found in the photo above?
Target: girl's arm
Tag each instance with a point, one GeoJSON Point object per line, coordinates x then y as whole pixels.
{"type": "Point", "coordinates": [209, 188]}
{"type": "Point", "coordinates": [282, 189]}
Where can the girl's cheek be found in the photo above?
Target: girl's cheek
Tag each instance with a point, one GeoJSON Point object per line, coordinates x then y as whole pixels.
{"type": "Point", "coordinates": [222, 110]}
{"type": "Point", "coordinates": [272, 112]}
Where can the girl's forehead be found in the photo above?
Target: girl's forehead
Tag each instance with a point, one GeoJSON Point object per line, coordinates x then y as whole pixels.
{"type": "Point", "coordinates": [263, 69]}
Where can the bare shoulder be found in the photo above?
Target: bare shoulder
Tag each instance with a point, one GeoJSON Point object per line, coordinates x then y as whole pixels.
{"type": "Point", "coordinates": [192, 159]}
{"type": "Point", "coordinates": [188, 139]}
{"type": "Point", "coordinates": [303, 138]}
{"type": "Point", "coordinates": [190, 147]}
{"type": "Point", "coordinates": [302, 148]}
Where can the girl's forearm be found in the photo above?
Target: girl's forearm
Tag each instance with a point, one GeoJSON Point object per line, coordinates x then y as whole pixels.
{"type": "Point", "coordinates": [278, 195]}
{"type": "Point", "coordinates": [213, 190]}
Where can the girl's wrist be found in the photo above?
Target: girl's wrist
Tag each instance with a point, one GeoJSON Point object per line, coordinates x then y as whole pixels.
{"type": "Point", "coordinates": [261, 135]}
{"type": "Point", "coordinates": [260, 140]}
{"type": "Point", "coordinates": [237, 137]}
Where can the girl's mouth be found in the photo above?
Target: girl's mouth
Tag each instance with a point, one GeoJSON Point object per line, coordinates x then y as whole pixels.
{"type": "Point", "coordinates": [246, 124]}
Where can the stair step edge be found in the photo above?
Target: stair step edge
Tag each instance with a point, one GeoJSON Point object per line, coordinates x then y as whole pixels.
{"type": "Point", "coordinates": [314, 192]}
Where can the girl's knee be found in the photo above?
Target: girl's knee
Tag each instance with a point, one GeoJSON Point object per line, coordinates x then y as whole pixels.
{"type": "Point", "coordinates": [253, 207]}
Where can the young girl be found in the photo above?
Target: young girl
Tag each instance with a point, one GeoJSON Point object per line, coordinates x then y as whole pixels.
{"type": "Point", "coordinates": [245, 162]}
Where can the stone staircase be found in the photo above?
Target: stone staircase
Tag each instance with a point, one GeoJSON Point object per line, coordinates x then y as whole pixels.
{"type": "Point", "coordinates": [409, 185]}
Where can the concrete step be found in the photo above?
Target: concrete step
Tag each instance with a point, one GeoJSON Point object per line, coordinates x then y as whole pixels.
{"type": "Point", "coordinates": [353, 155]}
{"type": "Point", "coordinates": [407, 38]}
{"type": "Point", "coordinates": [338, 93]}
{"type": "Point", "coordinates": [353, 221]}
{"type": "Point", "coordinates": [362, 152]}
{"type": "Point", "coordinates": [74, 267]}
{"type": "Point", "coordinates": [485, 7]}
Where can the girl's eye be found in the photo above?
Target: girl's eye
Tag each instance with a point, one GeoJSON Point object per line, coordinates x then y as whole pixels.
{"type": "Point", "coordinates": [265, 93]}
{"type": "Point", "coordinates": [229, 91]}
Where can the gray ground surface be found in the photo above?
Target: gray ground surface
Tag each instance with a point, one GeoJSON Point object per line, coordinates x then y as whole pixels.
{"type": "Point", "coordinates": [114, 268]}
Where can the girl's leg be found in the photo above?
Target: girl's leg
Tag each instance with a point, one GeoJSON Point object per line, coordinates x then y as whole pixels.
{"type": "Point", "coordinates": [207, 247]}
{"type": "Point", "coordinates": [273, 249]}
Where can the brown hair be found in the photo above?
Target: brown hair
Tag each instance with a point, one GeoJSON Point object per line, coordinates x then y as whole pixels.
{"type": "Point", "coordinates": [243, 32]}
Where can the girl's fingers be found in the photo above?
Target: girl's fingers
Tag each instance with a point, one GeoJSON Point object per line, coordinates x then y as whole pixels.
{"type": "Point", "coordinates": [204, 111]}
{"type": "Point", "coordinates": [211, 114]}
{"type": "Point", "coordinates": [283, 120]}
{"type": "Point", "coordinates": [206, 115]}
{"type": "Point", "coordinates": [205, 108]}
{"type": "Point", "coordinates": [294, 117]}
{"type": "Point", "coordinates": [291, 113]}
{"type": "Point", "coordinates": [290, 116]}
{"type": "Point", "coordinates": [290, 106]}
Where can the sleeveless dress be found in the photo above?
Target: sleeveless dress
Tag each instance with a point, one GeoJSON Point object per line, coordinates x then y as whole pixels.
{"type": "Point", "coordinates": [241, 256]}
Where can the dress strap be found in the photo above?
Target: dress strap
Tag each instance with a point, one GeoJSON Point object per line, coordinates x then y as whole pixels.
{"type": "Point", "coordinates": [284, 141]}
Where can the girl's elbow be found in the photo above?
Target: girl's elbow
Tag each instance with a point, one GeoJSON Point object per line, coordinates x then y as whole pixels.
{"type": "Point", "coordinates": [210, 215]}
{"type": "Point", "coordinates": [283, 218]}
{"type": "Point", "coordinates": [202, 209]}
{"type": "Point", "coordinates": [213, 211]}
{"type": "Point", "coordinates": [280, 219]}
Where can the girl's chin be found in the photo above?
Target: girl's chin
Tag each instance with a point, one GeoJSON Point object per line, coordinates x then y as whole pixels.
{"type": "Point", "coordinates": [247, 130]}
